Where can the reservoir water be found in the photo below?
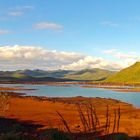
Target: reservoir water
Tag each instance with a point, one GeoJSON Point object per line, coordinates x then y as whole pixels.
{"type": "Point", "coordinates": [76, 90]}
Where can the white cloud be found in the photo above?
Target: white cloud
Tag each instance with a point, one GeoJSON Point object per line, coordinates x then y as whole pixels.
{"type": "Point", "coordinates": [109, 23]}
{"type": "Point", "coordinates": [31, 57]}
{"type": "Point", "coordinates": [2, 32]}
{"type": "Point", "coordinates": [29, 7]}
{"type": "Point", "coordinates": [48, 25]}
{"type": "Point", "coordinates": [93, 62]}
{"type": "Point", "coordinates": [120, 55]}
{"type": "Point", "coordinates": [126, 58]}
{"type": "Point", "coordinates": [111, 51]}
{"type": "Point", "coordinates": [15, 13]}
{"type": "Point", "coordinates": [20, 10]}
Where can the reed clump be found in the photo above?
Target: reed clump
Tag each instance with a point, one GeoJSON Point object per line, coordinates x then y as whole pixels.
{"type": "Point", "coordinates": [4, 103]}
{"type": "Point", "coordinates": [91, 123]}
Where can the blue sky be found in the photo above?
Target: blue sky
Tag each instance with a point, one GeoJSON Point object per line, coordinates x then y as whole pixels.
{"type": "Point", "coordinates": [90, 27]}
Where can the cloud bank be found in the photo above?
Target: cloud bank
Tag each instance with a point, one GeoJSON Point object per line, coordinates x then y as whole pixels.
{"type": "Point", "coordinates": [31, 57]}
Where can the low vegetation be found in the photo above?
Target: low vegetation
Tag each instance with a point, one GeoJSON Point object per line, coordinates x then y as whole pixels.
{"type": "Point", "coordinates": [90, 126]}
{"type": "Point", "coordinates": [4, 102]}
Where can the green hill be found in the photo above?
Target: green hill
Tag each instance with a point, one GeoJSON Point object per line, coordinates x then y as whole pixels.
{"type": "Point", "coordinates": [127, 75]}
{"type": "Point", "coordinates": [90, 74]}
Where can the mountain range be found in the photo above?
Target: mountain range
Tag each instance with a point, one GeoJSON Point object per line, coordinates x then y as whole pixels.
{"type": "Point", "coordinates": [130, 74]}
{"type": "Point", "coordinates": [57, 75]}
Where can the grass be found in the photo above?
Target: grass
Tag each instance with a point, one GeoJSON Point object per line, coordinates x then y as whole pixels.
{"type": "Point", "coordinates": [93, 129]}
{"type": "Point", "coordinates": [90, 122]}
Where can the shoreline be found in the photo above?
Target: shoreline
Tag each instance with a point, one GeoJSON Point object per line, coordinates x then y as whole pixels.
{"type": "Point", "coordinates": [119, 88]}
{"type": "Point", "coordinates": [42, 110]}
{"type": "Point", "coordinates": [114, 88]}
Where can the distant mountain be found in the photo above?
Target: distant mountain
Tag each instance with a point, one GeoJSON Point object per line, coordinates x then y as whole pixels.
{"type": "Point", "coordinates": [42, 73]}
{"type": "Point", "coordinates": [35, 73]}
{"type": "Point", "coordinates": [33, 76]}
{"type": "Point", "coordinates": [90, 74]}
{"type": "Point", "coordinates": [58, 75]}
{"type": "Point", "coordinates": [127, 75]}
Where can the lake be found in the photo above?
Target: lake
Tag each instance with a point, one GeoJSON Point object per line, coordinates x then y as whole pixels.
{"type": "Point", "coordinates": [76, 90]}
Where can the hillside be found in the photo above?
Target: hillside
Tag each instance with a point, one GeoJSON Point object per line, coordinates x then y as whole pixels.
{"type": "Point", "coordinates": [90, 74]}
{"type": "Point", "coordinates": [127, 75]}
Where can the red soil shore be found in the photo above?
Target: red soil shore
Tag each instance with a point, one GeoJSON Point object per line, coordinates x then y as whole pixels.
{"type": "Point", "coordinates": [44, 112]}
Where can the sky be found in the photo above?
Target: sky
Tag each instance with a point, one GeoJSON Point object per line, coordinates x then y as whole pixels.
{"type": "Point", "coordinates": [69, 34]}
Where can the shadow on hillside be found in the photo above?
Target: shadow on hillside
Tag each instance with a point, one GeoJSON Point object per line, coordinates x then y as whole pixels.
{"type": "Point", "coordinates": [12, 129]}
{"type": "Point", "coordinates": [8, 125]}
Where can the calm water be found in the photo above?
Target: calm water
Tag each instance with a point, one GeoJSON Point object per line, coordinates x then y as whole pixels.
{"type": "Point", "coordinates": [70, 91]}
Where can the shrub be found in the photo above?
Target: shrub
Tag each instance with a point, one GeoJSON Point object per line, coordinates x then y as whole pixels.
{"type": "Point", "coordinates": [4, 103]}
